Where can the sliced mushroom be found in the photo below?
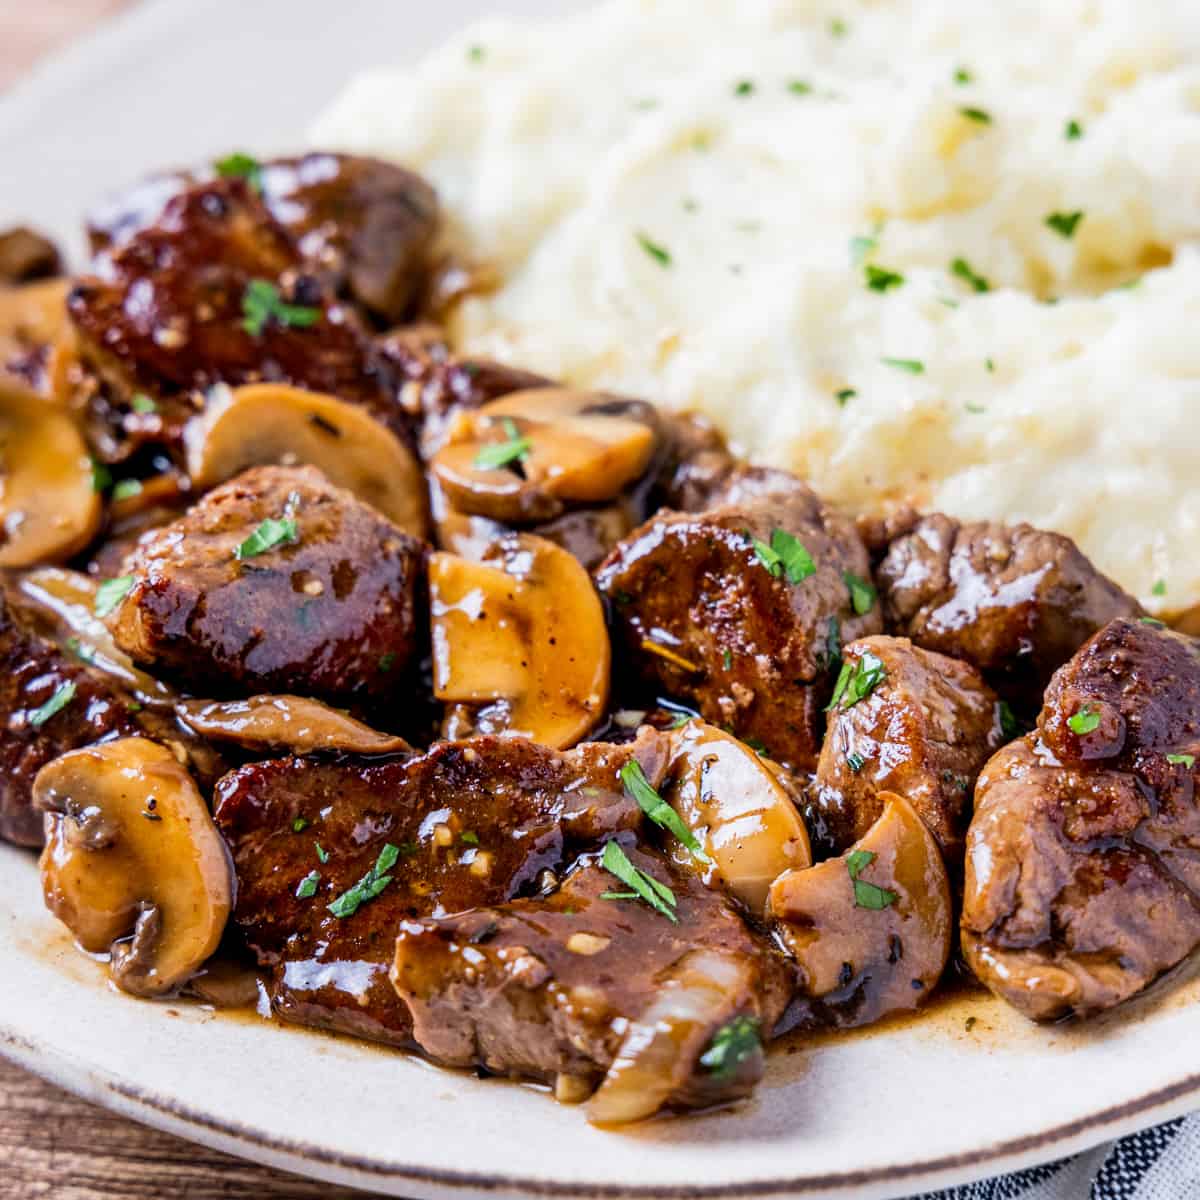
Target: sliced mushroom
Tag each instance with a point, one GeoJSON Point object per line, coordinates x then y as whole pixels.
{"type": "Point", "coordinates": [520, 638]}
{"type": "Point", "coordinates": [870, 930]}
{"type": "Point", "coordinates": [564, 447]}
{"type": "Point", "coordinates": [49, 507]}
{"type": "Point", "coordinates": [293, 723]}
{"type": "Point", "coordinates": [274, 424]}
{"type": "Point", "coordinates": [31, 315]}
{"type": "Point", "coordinates": [133, 864]}
{"type": "Point", "coordinates": [738, 805]}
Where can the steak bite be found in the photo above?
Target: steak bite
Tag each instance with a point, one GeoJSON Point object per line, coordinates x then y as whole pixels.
{"type": "Point", "coordinates": [920, 724]}
{"type": "Point", "coordinates": [1082, 879]}
{"type": "Point", "coordinates": [560, 988]}
{"type": "Point", "coordinates": [469, 823]}
{"type": "Point", "coordinates": [276, 582]}
{"type": "Point", "coordinates": [1014, 601]}
{"type": "Point", "coordinates": [741, 610]}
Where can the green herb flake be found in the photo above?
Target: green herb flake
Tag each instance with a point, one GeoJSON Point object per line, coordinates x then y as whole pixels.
{"type": "Point", "coordinates": [857, 681]}
{"type": "Point", "coordinates": [744, 87]}
{"type": "Point", "coordinates": [880, 279]}
{"type": "Point", "coordinates": [660, 254]}
{"type": "Point", "coordinates": [786, 555]}
{"type": "Point", "coordinates": [308, 886]}
{"type": "Point", "coordinates": [110, 593]}
{"type": "Point", "coordinates": [369, 886]}
{"type": "Point", "coordinates": [299, 825]}
{"type": "Point", "coordinates": [503, 454]}
{"type": "Point", "coordinates": [962, 76]}
{"type": "Point", "coordinates": [141, 403]}
{"type": "Point", "coordinates": [101, 476]}
{"type": "Point", "coordinates": [972, 407]}
{"type": "Point", "coordinates": [862, 594]}
{"type": "Point", "coordinates": [63, 695]}
{"type": "Point", "coordinates": [962, 269]}
{"type": "Point", "coordinates": [1073, 131]}
{"type": "Point", "coordinates": [833, 643]}
{"type": "Point", "coordinates": [270, 534]}
{"type": "Point", "coordinates": [126, 489]}
{"type": "Point", "coordinates": [860, 247]}
{"type": "Point", "coordinates": [855, 762]}
{"type": "Point", "coordinates": [387, 661]}
{"type": "Point", "coordinates": [727, 658]}
{"type": "Point", "coordinates": [1159, 588]}
{"type": "Point", "coordinates": [241, 166]}
{"type": "Point", "coordinates": [838, 28]}
{"type": "Point", "coordinates": [1064, 223]}
{"type": "Point", "coordinates": [657, 895]}
{"type": "Point", "coordinates": [1153, 622]}
{"type": "Point", "coordinates": [867, 895]}
{"type": "Point", "coordinates": [322, 853]}
{"type": "Point", "coordinates": [469, 836]}
{"type": "Point", "coordinates": [979, 115]}
{"type": "Point", "coordinates": [734, 1043]}
{"type": "Point", "coordinates": [914, 366]}
{"type": "Point", "coordinates": [657, 809]}
{"type": "Point", "coordinates": [799, 87]}
{"type": "Point", "coordinates": [261, 302]}
{"type": "Point", "coordinates": [844, 396]}
{"type": "Point", "coordinates": [1085, 721]}
{"type": "Point", "coordinates": [1009, 727]}
{"type": "Point", "coordinates": [989, 366]}
{"type": "Point", "coordinates": [476, 54]}
{"type": "Point", "coordinates": [1182, 760]}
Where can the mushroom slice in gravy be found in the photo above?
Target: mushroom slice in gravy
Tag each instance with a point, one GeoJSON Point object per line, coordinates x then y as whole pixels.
{"type": "Point", "coordinates": [519, 640]}
{"type": "Point", "coordinates": [133, 864]}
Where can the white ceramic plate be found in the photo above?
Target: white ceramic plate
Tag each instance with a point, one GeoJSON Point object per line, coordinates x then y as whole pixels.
{"type": "Point", "coordinates": [891, 1112]}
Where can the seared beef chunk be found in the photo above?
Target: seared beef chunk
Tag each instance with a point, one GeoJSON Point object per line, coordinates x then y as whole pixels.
{"type": "Point", "coordinates": [547, 987]}
{"type": "Point", "coordinates": [26, 256]}
{"type": "Point", "coordinates": [1014, 601]}
{"type": "Point", "coordinates": [1083, 882]}
{"type": "Point", "coordinates": [472, 823]}
{"type": "Point", "coordinates": [51, 702]}
{"type": "Point", "coordinates": [698, 466]}
{"type": "Point", "coordinates": [276, 582]}
{"type": "Point", "coordinates": [364, 223]}
{"type": "Point", "coordinates": [215, 291]}
{"type": "Point", "coordinates": [924, 729]}
{"type": "Point", "coordinates": [742, 610]}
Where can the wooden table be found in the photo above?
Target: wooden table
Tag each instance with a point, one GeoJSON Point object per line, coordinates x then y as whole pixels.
{"type": "Point", "coordinates": [53, 1146]}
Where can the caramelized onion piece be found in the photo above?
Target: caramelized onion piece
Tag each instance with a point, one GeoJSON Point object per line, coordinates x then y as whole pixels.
{"type": "Point", "coordinates": [738, 805]}
{"type": "Point", "coordinates": [133, 863]}
{"type": "Point", "coordinates": [880, 947]}
{"type": "Point", "coordinates": [520, 637]}
{"type": "Point", "coordinates": [293, 723]}
{"type": "Point", "coordinates": [265, 424]}
{"type": "Point", "coordinates": [49, 507]}
{"type": "Point", "coordinates": [575, 447]}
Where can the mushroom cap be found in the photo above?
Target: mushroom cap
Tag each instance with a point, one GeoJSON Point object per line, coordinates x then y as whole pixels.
{"type": "Point", "coordinates": [33, 314]}
{"type": "Point", "coordinates": [294, 723]}
{"type": "Point", "coordinates": [133, 863]}
{"type": "Point", "coordinates": [579, 448]}
{"type": "Point", "coordinates": [49, 507]}
{"type": "Point", "coordinates": [522, 633]}
{"type": "Point", "coordinates": [738, 804]}
{"type": "Point", "coordinates": [896, 949]}
{"type": "Point", "coordinates": [264, 424]}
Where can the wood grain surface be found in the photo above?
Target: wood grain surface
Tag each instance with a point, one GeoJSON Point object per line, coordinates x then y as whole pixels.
{"type": "Point", "coordinates": [53, 1146]}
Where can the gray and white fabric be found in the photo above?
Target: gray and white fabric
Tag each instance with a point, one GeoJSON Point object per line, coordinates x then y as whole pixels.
{"type": "Point", "coordinates": [1160, 1164]}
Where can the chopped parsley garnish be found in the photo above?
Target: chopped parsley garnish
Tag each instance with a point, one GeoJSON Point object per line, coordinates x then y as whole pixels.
{"type": "Point", "coordinates": [727, 658]}
{"type": "Point", "coordinates": [979, 115]}
{"type": "Point", "coordinates": [369, 886]}
{"type": "Point", "coordinates": [880, 279]}
{"type": "Point", "coordinates": [308, 885]}
{"type": "Point", "coordinates": [989, 366]}
{"type": "Point", "coordinates": [785, 555]}
{"type": "Point", "coordinates": [241, 166]}
{"type": "Point", "coordinates": [962, 269]}
{"type": "Point", "coordinates": [101, 476]}
{"type": "Point", "coordinates": [387, 661]}
{"type": "Point", "coordinates": [503, 454]}
{"type": "Point", "coordinates": [867, 895]}
{"type": "Point", "coordinates": [734, 1043]}
{"type": "Point", "coordinates": [857, 681]}
{"type": "Point", "coordinates": [975, 408]}
{"type": "Point", "coordinates": [299, 825]}
{"type": "Point", "coordinates": [862, 594]}
{"type": "Point", "coordinates": [1153, 622]}
{"type": "Point", "coordinates": [1064, 223]}
{"type": "Point", "coordinates": [799, 87]}
{"type": "Point", "coordinates": [1009, 726]}
{"type": "Point", "coordinates": [63, 695]}
{"type": "Point", "coordinates": [855, 762]}
{"type": "Point", "coordinates": [914, 366]}
{"type": "Point", "coordinates": [744, 87]}
{"type": "Point", "coordinates": [962, 76]}
{"type": "Point", "coordinates": [838, 28]}
{"type": "Point", "coordinates": [660, 254]}
{"type": "Point", "coordinates": [1085, 721]}
{"type": "Point", "coordinates": [271, 533]}
{"type": "Point", "coordinates": [833, 643]}
{"type": "Point", "coordinates": [110, 593]}
{"type": "Point", "coordinates": [1159, 588]}
{"type": "Point", "coordinates": [476, 54]}
{"type": "Point", "coordinates": [1073, 131]}
{"type": "Point", "coordinates": [126, 489]}
{"type": "Point", "coordinates": [469, 836]}
{"type": "Point", "coordinates": [657, 895]}
{"type": "Point", "coordinates": [657, 809]}
{"type": "Point", "coordinates": [1182, 760]}
{"type": "Point", "coordinates": [322, 853]}
{"type": "Point", "coordinates": [844, 395]}
{"type": "Point", "coordinates": [141, 403]}
{"type": "Point", "coordinates": [860, 247]}
{"type": "Point", "coordinates": [261, 302]}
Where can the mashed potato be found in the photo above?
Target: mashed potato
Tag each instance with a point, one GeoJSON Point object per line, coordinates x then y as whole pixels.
{"type": "Point", "coordinates": [941, 250]}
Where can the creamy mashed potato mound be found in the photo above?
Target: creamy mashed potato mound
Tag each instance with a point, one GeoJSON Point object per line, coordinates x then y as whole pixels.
{"type": "Point", "coordinates": [936, 250]}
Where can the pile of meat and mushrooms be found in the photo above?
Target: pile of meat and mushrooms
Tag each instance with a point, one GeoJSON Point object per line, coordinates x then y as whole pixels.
{"type": "Point", "coordinates": [523, 727]}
